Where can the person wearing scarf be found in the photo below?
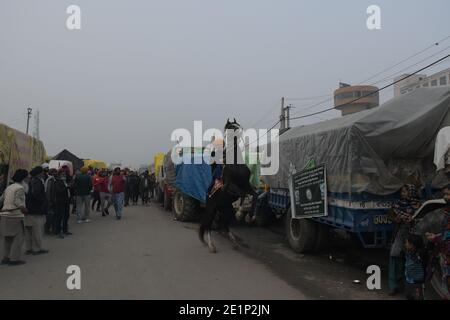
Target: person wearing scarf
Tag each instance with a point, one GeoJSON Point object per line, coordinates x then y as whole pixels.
{"type": "Point", "coordinates": [401, 213]}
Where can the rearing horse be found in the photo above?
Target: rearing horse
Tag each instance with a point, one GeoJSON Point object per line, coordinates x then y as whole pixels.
{"type": "Point", "coordinates": [235, 184]}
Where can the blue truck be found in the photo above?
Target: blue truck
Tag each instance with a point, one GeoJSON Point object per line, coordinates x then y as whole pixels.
{"type": "Point", "coordinates": [191, 183]}
{"type": "Point", "coordinates": [364, 216]}
{"type": "Point", "coordinates": [368, 156]}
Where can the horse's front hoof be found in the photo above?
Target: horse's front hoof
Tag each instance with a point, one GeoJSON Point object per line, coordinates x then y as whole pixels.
{"type": "Point", "coordinates": [212, 250]}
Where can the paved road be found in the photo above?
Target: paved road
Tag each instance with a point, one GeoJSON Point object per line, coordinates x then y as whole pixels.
{"type": "Point", "coordinates": [146, 255]}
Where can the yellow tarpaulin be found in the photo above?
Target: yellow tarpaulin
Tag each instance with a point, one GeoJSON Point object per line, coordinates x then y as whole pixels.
{"type": "Point", "coordinates": [158, 161]}
{"type": "Point", "coordinates": [19, 150]}
{"type": "Point", "coordinates": [97, 164]}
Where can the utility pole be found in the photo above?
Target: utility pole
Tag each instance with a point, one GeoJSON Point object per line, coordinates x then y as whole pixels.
{"type": "Point", "coordinates": [282, 117]}
{"type": "Point", "coordinates": [29, 110]}
{"type": "Point", "coordinates": [288, 109]}
{"type": "Point", "coordinates": [36, 125]}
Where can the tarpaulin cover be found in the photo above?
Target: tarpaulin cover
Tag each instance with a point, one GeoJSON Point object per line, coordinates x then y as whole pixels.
{"type": "Point", "coordinates": [442, 149]}
{"type": "Point", "coordinates": [371, 151]}
{"type": "Point", "coordinates": [19, 150]}
{"type": "Point", "coordinates": [95, 164]}
{"type": "Point", "coordinates": [194, 179]}
{"type": "Point", "coordinates": [169, 169]}
{"type": "Point", "coordinates": [158, 161]}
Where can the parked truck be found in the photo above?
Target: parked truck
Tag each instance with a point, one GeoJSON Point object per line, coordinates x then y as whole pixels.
{"type": "Point", "coordinates": [191, 182]}
{"type": "Point", "coordinates": [18, 151]}
{"type": "Point", "coordinates": [367, 157]}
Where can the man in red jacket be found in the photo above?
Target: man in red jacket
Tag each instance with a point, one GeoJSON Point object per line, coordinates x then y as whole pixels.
{"type": "Point", "coordinates": [96, 179]}
{"type": "Point", "coordinates": [117, 187]}
{"type": "Point", "coordinates": [105, 195]}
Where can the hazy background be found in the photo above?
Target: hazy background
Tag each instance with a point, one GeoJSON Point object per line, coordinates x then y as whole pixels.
{"type": "Point", "coordinates": [116, 89]}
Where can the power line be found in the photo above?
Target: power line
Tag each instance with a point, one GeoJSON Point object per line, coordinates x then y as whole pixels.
{"type": "Point", "coordinates": [413, 65]}
{"type": "Point", "coordinates": [308, 98]}
{"type": "Point", "coordinates": [269, 111]}
{"type": "Point", "coordinates": [406, 59]}
{"type": "Point", "coordinates": [265, 134]}
{"type": "Point", "coordinates": [312, 106]}
{"type": "Point", "coordinates": [377, 74]}
{"type": "Point", "coordinates": [390, 77]}
{"type": "Point", "coordinates": [437, 43]}
{"type": "Point", "coordinates": [377, 91]}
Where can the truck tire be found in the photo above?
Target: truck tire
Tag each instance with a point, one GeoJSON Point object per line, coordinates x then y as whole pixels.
{"type": "Point", "coordinates": [323, 237]}
{"type": "Point", "coordinates": [167, 202]}
{"type": "Point", "coordinates": [159, 195]}
{"type": "Point", "coordinates": [184, 207]}
{"type": "Point", "coordinates": [263, 213]}
{"type": "Point", "coordinates": [301, 234]}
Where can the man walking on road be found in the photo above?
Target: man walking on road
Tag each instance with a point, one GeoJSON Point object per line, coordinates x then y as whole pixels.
{"type": "Point", "coordinates": [36, 201]}
{"type": "Point", "coordinates": [11, 218]}
{"type": "Point", "coordinates": [144, 187]}
{"type": "Point", "coordinates": [105, 195]}
{"type": "Point", "coordinates": [83, 187]}
{"type": "Point", "coordinates": [117, 187]}
{"type": "Point", "coordinates": [60, 199]}
{"type": "Point", "coordinates": [50, 218]}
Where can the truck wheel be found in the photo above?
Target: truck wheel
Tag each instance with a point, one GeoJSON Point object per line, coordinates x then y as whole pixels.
{"type": "Point", "coordinates": [167, 202]}
{"type": "Point", "coordinates": [323, 237]}
{"type": "Point", "coordinates": [184, 207]}
{"type": "Point", "coordinates": [301, 234]}
{"type": "Point", "coordinates": [263, 213]}
{"type": "Point", "coordinates": [439, 285]}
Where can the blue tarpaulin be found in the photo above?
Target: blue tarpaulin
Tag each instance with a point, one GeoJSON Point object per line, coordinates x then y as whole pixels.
{"type": "Point", "coordinates": [194, 179]}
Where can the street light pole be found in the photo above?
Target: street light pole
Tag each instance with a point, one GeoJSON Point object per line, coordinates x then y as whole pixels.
{"type": "Point", "coordinates": [29, 110]}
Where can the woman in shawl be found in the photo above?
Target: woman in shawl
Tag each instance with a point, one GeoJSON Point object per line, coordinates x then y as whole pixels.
{"type": "Point", "coordinates": [401, 212]}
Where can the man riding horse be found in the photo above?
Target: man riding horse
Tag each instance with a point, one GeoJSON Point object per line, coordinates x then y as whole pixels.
{"type": "Point", "coordinates": [231, 181]}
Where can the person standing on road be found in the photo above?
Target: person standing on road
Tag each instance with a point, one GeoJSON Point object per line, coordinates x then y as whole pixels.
{"type": "Point", "coordinates": [127, 191]}
{"type": "Point", "coordinates": [60, 198]}
{"type": "Point", "coordinates": [152, 181]}
{"type": "Point", "coordinates": [96, 195]}
{"type": "Point", "coordinates": [117, 187]}
{"type": "Point", "coordinates": [414, 267]}
{"type": "Point", "coordinates": [133, 182]}
{"type": "Point", "coordinates": [83, 187]}
{"type": "Point", "coordinates": [12, 217]}
{"type": "Point", "coordinates": [144, 187]}
{"type": "Point", "coordinates": [105, 195]}
{"type": "Point", "coordinates": [401, 213]}
{"type": "Point", "coordinates": [46, 168]}
{"type": "Point", "coordinates": [50, 217]}
{"type": "Point", "coordinates": [36, 201]}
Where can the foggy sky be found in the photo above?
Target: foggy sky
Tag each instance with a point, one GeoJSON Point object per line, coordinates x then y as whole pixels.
{"type": "Point", "coordinates": [137, 70]}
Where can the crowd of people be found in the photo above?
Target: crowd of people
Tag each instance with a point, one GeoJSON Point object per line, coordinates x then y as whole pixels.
{"type": "Point", "coordinates": [40, 201]}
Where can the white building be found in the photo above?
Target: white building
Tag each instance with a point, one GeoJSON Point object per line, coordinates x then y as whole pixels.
{"type": "Point", "coordinates": [439, 79]}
